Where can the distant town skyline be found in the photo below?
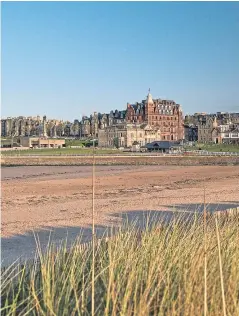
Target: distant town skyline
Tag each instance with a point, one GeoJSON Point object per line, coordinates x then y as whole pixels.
{"type": "Point", "coordinates": [41, 115]}
{"type": "Point", "coordinates": [68, 59]}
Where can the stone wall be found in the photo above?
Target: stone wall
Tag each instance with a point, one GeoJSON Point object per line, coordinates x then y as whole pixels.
{"type": "Point", "coordinates": [119, 160]}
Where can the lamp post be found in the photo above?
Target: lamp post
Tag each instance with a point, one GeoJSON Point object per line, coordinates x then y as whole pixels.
{"type": "Point", "coordinates": [93, 231]}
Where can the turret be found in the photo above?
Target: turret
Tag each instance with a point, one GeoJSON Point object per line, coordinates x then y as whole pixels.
{"type": "Point", "coordinates": [149, 99]}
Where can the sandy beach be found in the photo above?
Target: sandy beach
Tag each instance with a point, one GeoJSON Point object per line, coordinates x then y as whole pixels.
{"type": "Point", "coordinates": [57, 200]}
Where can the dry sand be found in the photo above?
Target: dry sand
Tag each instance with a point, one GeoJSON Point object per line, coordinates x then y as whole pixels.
{"type": "Point", "coordinates": [58, 199]}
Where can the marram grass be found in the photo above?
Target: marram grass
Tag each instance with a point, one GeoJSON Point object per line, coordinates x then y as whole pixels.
{"type": "Point", "coordinates": [157, 271]}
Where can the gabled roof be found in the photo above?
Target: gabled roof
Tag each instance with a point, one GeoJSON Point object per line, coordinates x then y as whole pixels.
{"type": "Point", "coordinates": [146, 126]}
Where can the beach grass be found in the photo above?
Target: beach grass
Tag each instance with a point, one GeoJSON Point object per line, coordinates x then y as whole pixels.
{"type": "Point", "coordinates": [155, 271]}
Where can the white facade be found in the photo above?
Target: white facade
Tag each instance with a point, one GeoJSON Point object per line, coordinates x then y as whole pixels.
{"type": "Point", "coordinates": [125, 135]}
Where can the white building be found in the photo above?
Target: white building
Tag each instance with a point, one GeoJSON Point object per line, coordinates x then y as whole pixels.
{"type": "Point", "coordinates": [124, 135]}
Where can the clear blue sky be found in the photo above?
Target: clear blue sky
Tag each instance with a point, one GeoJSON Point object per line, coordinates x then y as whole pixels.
{"type": "Point", "coordinates": [65, 59]}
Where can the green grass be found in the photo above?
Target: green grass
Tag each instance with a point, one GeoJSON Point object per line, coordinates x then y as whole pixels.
{"type": "Point", "coordinates": [157, 272]}
{"type": "Point", "coordinates": [7, 140]}
{"type": "Point", "coordinates": [216, 147]}
{"type": "Point", "coordinates": [58, 151]}
{"type": "Point", "coordinates": [75, 142]}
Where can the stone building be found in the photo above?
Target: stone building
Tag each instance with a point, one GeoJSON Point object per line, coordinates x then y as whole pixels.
{"type": "Point", "coordinates": [38, 126]}
{"type": "Point", "coordinates": [85, 129]}
{"type": "Point", "coordinates": [231, 136]}
{"type": "Point", "coordinates": [89, 126]}
{"type": "Point", "coordinates": [5, 130]}
{"type": "Point", "coordinates": [190, 133]}
{"type": "Point", "coordinates": [163, 114]}
{"type": "Point", "coordinates": [195, 118]}
{"type": "Point", "coordinates": [205, 128]}
{"type": "Point", "coordinates": [113, 118]}
{"type": "Point", "coordinates": [226, 134]}
{"type": "Point", "coordinates": [209, 131]}
{"type": "Point", "coordinates": [222, 118]}
{"type": "Point", "coordinates": [126, 134]}
{"type": "Point", "coordinates": [94, 124]}
{"type": "Point", "coordinates": [226, 118]}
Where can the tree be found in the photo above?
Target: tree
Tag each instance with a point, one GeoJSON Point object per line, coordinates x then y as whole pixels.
{"type": "Point", "coordinates": [116, 142]}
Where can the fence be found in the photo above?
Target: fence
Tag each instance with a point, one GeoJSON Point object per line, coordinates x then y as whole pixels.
{"type": "Point", "coordinates": [147, 154]}
{"type": "Point", "coordinates": [211, 153]}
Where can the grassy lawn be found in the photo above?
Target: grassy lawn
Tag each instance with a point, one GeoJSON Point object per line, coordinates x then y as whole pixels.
{"type": "Point", "coordinates": [75, 142]}
{"type": "Point", "coordinates": [216, 147]}
{"type": "Point", "coordinates": [159, 271]}
{"type": "Point", "coordinates": [60, 151]}
{"type": "Point", "coordinates": [8, 141]}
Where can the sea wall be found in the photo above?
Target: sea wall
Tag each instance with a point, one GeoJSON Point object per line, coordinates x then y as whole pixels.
{"type": "Point", "coordinates": [119, 160]}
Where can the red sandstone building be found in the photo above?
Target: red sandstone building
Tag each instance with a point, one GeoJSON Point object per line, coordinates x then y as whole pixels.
{"type": "Point", "coordinates": [165, 114]}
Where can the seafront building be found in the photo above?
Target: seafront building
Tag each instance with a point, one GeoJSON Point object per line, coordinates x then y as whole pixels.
{"type": "Point", "coordinates": [144, 122]}
{"type": "Point", "coordinates": [41, 142]}
{"type": "Point", "coordinates": [164, 114]}
{"type": "Point", "coordinates": [86, 127]}
{"type": "Point", "coordinates": [127, 134]}
{"type": "Point", "coordinates": [140, 122]}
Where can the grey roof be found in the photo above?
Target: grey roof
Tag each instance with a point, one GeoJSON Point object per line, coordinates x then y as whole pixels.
{"type": "Point", "coordinates": [161, 145]}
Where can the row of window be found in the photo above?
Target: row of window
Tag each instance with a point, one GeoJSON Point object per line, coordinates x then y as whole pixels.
{"type": "Point", "coordinates": [232, 135]}
{"type": "Point", "coordinates": [163, 123]}
{"type": "Point", "coordinates": [168, 137]}
{"type": "Point", "coordinates": [133, 117]}
{"type": "Point", "coordinates": [168, 118]}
